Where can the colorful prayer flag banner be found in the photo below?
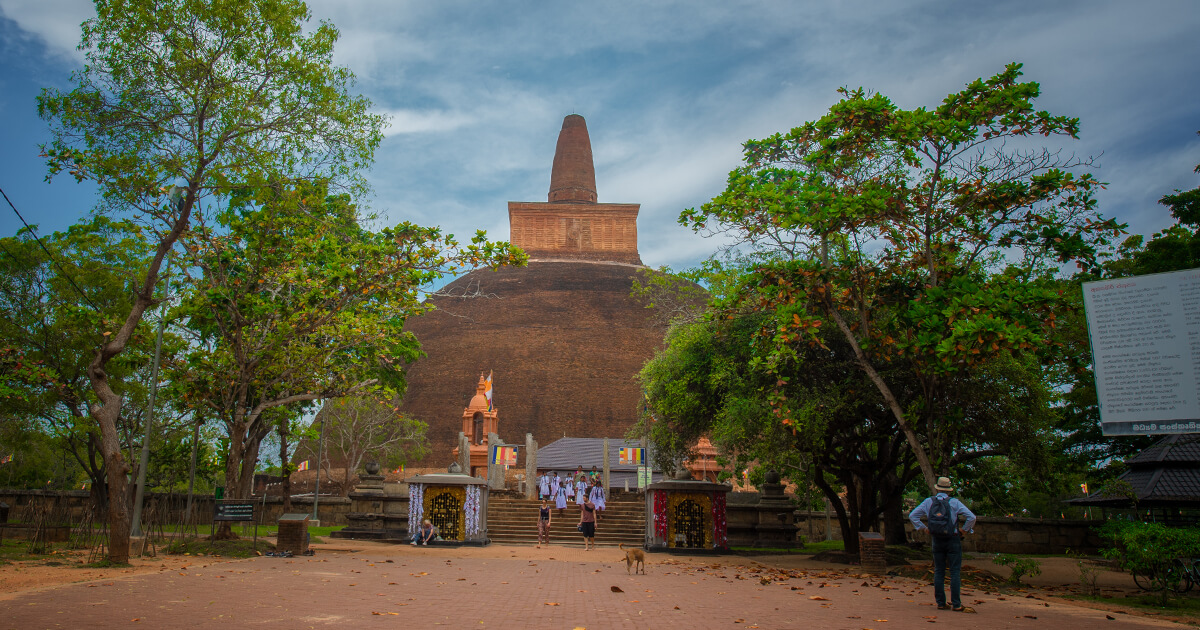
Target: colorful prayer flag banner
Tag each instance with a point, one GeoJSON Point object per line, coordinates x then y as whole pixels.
{"type": "Point", "coordinates": [303, 466]}
{"type": "Point", "coordinates": [487, 391]}
{"type": "Point", "coordinates": [504, 455]}
{"type": "Point", "coordinates": [633, 456]}
{"type": "Point", "coordinates": [6, 459]}
{"type": "Point", "coordinates": [400, 470]}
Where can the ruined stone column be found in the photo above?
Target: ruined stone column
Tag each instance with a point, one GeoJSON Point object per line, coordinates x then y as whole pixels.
{"type": "Point", "coordinates": [530, 466]}
{"type": "Point", "coordinates": [464, 453]}
{"type": "Point", "coordinates": [607, 485]}
{"type": "Point", "coordinates": [495, 471]}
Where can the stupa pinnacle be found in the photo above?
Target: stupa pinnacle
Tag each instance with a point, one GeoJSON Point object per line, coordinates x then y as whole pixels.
{"type": "Point", "coordinates": [571, 225]}
{"type": "Point", "coordinates": [573, 178]}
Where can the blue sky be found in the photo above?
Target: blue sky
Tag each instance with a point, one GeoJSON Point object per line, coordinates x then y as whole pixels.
{"type": "Point", "coordinates": [477, 91]}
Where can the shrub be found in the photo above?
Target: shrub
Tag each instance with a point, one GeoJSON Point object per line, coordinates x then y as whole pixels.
{"type": "Point", "coordinates": [1089, 573]}
{"type": "Point", "coordinates": [1149, 551]}
{"type": "Point", "coordinates": [1019, 566]}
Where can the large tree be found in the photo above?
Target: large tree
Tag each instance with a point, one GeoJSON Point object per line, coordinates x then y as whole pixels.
{"type": "Point", "coordinates": [51, 289]}
{"type": "Point", "coordinates": [357, 430]}
{"type": "Point", "coordinates": [204, 95]}
{"type": "Point", "coordinates": [930, 236]}
{"type": "Point", "coordinates": [296, 302]}
{"type": "Point", "coordinates": [718, 377]}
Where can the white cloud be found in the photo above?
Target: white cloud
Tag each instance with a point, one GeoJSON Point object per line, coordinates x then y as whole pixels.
{"type": "Point", "coordinates": [54, 22]}
{"type": "Point", "coordinates": [477, 90]}
{"type": "Point", "coordinates": [410, 121]}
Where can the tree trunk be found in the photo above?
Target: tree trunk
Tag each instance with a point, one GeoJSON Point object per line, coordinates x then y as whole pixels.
{"type": "Point", "coordinates": [284, 467]}
{"type": "Point", "coordinates": [914, 441]}
{"type": "Point", "coordinates": [849, 528]}
{"type": "Point", "coordinates": [108, 409]}
{"type": "Point", "coordinates": [891, 495]}
{"type": "Point", "coordinates": [118, 485]}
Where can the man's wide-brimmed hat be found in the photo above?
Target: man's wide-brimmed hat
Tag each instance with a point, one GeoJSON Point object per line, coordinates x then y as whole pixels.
{"type": "Point", "coordinates": [943, 485]}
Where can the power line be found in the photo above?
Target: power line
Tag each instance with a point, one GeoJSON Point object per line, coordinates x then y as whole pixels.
{"type": "Point", "coordinates": [48, 254]}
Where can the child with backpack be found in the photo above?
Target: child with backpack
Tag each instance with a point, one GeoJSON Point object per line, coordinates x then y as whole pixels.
{"type": "Point", "coordinates": [942, 513]}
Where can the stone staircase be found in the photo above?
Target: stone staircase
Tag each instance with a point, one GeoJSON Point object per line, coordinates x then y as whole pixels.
{"type": "Point", "coordinates": [513, 521]}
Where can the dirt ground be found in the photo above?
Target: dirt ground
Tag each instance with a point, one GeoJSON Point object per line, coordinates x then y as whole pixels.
{"type": "Point", "coordinates": [67, 568]}
{"type": "Point", "coordinates": [1059, 576]}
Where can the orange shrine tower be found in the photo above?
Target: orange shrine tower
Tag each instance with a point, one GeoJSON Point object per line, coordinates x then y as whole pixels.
{"type": "Point", "coordinates": [478, 420]}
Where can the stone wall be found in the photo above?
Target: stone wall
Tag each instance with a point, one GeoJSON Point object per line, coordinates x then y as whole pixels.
{"type": "Point", "coordinates": [992, 534]}
{"type": "Point", "coordinates": [72, 506]}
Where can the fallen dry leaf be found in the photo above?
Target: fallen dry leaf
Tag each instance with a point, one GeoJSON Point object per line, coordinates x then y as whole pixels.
{"type": "Point", "coordinates": [616, 589]}
{"type": "Point", "coordinates": [818, 598]}
{"type": "Point", "coordinates": [552, 603]}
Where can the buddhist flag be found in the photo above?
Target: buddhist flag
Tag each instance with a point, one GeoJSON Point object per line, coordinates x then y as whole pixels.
{"type": "Point", "coordinates": [6, 459]}
{"type": "Point", "coordinates": [400, 470]}
{"type": "Point", "coordinates": [303, 466]}
{"type": "Point", "coordinates": [487, 391]}
{"type": "Point", "coordinates": [504, 455]}
{"type": "Point", "coordinates": [633, 456]}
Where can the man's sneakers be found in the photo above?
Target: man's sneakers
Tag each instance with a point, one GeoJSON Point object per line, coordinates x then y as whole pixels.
{"type": "Point", "coordinates": [943, 606]}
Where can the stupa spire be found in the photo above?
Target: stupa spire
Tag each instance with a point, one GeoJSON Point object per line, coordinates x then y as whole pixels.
{"type": "Point", "coordinates": [573, 179]}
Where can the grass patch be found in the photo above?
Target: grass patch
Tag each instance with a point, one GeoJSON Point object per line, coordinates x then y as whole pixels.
{"type": "Point", "coordinates": [241, 548]}
{"type": "Point", "coordinates": [17, 550]}
{"type": "Point", "coordinates": [1178, 604]}
{"type": "Point", "coordinates": [824, 545]}
{"type": "Point", "coordinates": [807, 549]}
{"type": "Point", "coordinates": [104, 563]}
{"type": "Point", "coordinates": [314, 532]}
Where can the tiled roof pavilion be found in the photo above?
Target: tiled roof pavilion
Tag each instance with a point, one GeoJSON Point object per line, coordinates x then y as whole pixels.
{"type": "Point", "coordinates": [563, 455]}
{"type": "Point", "coordinates": [1167, 474]}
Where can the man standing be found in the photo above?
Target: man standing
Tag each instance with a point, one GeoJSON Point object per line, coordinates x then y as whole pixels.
{"type": "Point", "coordinates": [942, 513]}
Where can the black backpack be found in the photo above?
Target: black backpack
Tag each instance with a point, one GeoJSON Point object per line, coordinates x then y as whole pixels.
{"type": "Point", "coordinates": [943, 522]}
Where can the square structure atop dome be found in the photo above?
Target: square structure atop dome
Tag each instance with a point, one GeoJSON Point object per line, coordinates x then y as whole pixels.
{"type": "Point", "coordinates": [571, 225]}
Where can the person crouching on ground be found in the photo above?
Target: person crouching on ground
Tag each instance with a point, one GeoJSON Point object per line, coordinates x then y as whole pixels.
{"type": "Point", "coordinates": [426, 533]}
{"type": "Point", "coordinates": [587, 524]}
{"type": "Point", "coordinates": [942, 514]}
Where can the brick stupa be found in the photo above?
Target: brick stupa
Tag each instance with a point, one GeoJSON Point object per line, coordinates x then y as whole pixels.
{"type": "Point", "coordinates": [562, 336]}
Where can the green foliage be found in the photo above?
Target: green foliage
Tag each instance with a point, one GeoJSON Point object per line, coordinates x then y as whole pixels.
{"type": "Point", "coordinates": [297, 302]}
{"type": "Point", "coordinates": [1019, 566]}
{"type": "Point", "coordinates": [180, 103]}
{"type": "Point", "coordinates": [922, 238]}
{"type": "Point", "coordinates": [220, 93]}
{"type": "Point", "coordinates": [52, 330]}
{"type": "Point", "coordinates": [1151, 550]}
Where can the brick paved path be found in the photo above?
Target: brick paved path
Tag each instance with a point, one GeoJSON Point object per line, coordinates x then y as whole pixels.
{"type": "Point", "coordinates": [520, 588]}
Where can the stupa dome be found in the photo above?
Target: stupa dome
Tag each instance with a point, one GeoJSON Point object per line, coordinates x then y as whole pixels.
{"type": "Point", "coordinates": [562, 337]}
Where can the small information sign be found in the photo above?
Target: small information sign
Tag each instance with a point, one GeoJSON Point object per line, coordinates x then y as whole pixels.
{"type": "Point", "coordinates": [644, 473]}
{"type": "Point", "coordinates": [234, 511]}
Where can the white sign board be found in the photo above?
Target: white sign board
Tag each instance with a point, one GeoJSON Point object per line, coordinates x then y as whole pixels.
{"type": "Point", "coordinates": [1145, 336]}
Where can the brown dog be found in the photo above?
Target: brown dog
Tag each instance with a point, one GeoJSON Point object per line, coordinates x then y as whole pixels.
{"type": "Point", "coordinates": [633, 558]}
